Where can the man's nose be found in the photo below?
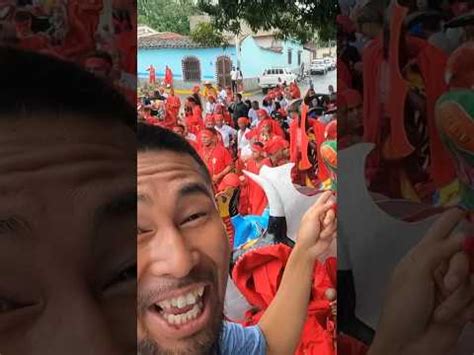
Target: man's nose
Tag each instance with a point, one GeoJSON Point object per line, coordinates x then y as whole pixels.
{"type": "Point", "coordinates": [171, 254]}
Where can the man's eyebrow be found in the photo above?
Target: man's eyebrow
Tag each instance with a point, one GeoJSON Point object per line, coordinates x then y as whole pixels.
{"type": "Point", "coordinates": [193, 189]}
{"type": "Point", "coordinates": [13, 224]}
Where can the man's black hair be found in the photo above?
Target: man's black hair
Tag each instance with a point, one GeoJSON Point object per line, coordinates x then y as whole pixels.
{"type": "Point", "coordinates": [155, 138]}
{"type": "Point", "coordinates": [33, 84]}
{"type": "Point", "coordinates": [239, 96]}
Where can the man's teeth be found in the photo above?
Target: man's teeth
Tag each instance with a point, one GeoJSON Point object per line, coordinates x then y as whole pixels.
{"type": "Point", "coordinates": [182, 301]}
{"type": "Point", "coordinates": [178, 319]}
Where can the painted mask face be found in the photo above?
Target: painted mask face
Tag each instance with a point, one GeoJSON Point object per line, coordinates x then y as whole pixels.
{"type": "Point", "coordinates": [455, 122]}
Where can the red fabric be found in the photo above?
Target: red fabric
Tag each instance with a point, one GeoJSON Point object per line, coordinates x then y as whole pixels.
{"type": "Point", "coordinates": [323, 171]}
{"type": "Point", "coordinates": [276, 129]}
{"type": "Point", "coordinates": [194, 122]}
{"type": "Point", "coordinates": [460, 67]}
{"type": "Point", "coordinates": [347, 345]}
{"type": "Point", "coordinates": [230, 180]}
{"type": "Point", "coordinates": [346, 24]}
{"type": "Point", "coordinates": [168, 77]}
{"type": "Point", "coordinates": [299, 141]}
{"type": "Point", "coordinates": [257, 201]}
{"type": "Point", "coordinates": [275, 144]}
{"type": "Point", "coordinates": [295, 91]}
{"type": "Point", "coordinates": [372, 59]}
{"type": "Point", "coordinates": [151, 74]}
{"type": "Point", "coordinates": [430, 60]}
{"type": "Point", "coordinates": [400, 146]}
{"type": "Point", "coordinates": [330, 132]}
{"type": "Point", "coordinates": [258, 274]}
{"type": "Point", "coordinates": [173, 104]}
{"type": "Point", "coordinates": [216, 158]}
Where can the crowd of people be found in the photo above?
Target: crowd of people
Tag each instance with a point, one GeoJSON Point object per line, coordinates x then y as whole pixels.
{"type": "Point", "coordinates": [98, 37]}
{"type": "Point", "coordinates": [405, 77]}
{"type": "Point", "coordinates": [429, 41]}
{"type": "Point", "coordinates": [232, 134]}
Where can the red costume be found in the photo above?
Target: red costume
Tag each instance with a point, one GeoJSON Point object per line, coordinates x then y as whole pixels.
{"type": "Point", "coordinates": [168, 76]}
{"type": "Point", "coordinates": [173, 104]}
{"type": "Point", "coordinates": [216, 157]}
{"type": "Point", "coordinates": [256, 195]}
{"type": "Point", "coordinates": [151, 74]}
{"type": "Point", "coordinates": [258, 274]}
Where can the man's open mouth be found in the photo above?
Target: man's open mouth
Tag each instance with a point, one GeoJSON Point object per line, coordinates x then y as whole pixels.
{"type": "Point", "coordinates": [183, 313]}
{"type": "Point", "coordinates": [182, 309]}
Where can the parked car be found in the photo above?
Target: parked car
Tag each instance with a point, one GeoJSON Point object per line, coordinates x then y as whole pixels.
{"type": "Point", "coordinates": [273, 76]}
{"type": "Point", "coordinates": [318, 66]}
{"type": "Point", "coordinates": [330, 63]}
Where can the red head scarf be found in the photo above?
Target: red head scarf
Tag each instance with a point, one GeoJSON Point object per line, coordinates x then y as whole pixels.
{"type": "Point", "coordinates": [243, 120]}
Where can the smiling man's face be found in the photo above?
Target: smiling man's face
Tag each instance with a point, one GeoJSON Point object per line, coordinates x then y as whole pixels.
{"type": "Point", "coordinates": [67, 249]}
{"type": "Point", "coordinates": [183, 256]}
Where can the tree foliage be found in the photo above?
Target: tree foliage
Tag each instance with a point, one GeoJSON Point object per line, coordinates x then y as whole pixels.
{"type": "Point", "coordinates": [300, 19]}
{"type": "Point", "coordinates": [167, 15]}
{"type": "Point", "coordinates": [207, 35]}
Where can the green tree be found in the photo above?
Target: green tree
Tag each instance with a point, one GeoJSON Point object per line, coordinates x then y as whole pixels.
{"type": "Point", "coordinates": [300, 19]}
{"type": "Point", "coordinates": [207, 35]}
{"type": "Point", "coordinates": [167, 15]}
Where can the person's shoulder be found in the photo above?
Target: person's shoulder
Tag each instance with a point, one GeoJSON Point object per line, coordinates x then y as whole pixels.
{"type": "Point", "coordinates": [239, 340]}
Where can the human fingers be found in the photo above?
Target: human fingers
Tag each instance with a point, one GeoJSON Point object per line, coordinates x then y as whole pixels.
{"type": "Point", "coordinates": [430, 255]}
{"type": "Point", "coordinates": [457, 271]}
{"type": "Point", "coordinates": [456, 303]}
{"type": "Point", "coordinates": [444, 225]}
{"type": "Point", "coordinates": [329, 217]}
{"type": "Point", "coordinates": [328, 231]}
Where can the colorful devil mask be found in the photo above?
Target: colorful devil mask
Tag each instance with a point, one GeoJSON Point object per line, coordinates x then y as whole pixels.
{"type": "Point", "coordinates": [455, 122]}
{"type": "Point", "coordinates": [329, 154]}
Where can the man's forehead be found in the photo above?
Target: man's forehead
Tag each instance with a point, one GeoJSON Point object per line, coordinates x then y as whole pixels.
{"type": "Point", "coordinates": [63, 128]}
{"type": "Point", "coordinates": [164, 170]}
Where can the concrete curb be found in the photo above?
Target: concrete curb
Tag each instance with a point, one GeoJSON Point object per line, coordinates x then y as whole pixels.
{"type": "Point", "coordinates": [189, 92]}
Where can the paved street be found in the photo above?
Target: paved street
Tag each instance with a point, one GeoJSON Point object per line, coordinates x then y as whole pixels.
{"type": "Point", "coordinates": [320, 82]}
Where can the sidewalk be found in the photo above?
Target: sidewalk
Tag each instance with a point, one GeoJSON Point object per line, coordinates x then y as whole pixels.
{"type": "Point", "coordinates": [185, 92]}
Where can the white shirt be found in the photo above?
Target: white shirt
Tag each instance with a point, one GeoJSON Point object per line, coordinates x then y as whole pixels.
{"type": "Point", "coordinates": [233, 75]}
{"type": "Point", "coordinates": [243, 143]}
{"type": "Point", "coordinates": [210, 107]}
{"type": "Point", "coordinates": [223, 95]}
{"type": "Point", "coordinates": [253, 117]}
{"type": "Point", "coordinates": [226, 132]}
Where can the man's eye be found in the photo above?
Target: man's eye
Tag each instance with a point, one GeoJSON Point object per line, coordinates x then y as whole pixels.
{"type": "Point", "coordinates": [194, 217]}
{"type": "Point", "coordinates": [8, 305]}
{"type": "Point", "coordinates": [141, 231]}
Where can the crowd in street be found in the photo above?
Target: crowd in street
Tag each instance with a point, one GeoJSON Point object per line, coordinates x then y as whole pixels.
{"type": "Point", "coordinates": [233, 134]}
{"type": "Point", "coordinates": [430, 42]}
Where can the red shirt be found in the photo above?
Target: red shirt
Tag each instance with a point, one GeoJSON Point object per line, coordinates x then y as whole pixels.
{"type": "Point", "coordinates": [216, 158]}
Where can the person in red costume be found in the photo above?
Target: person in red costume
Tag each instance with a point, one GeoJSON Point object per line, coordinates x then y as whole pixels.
{"type": "Point", "coordinates": [173, 104]}
{"type": "Point", "coordinates": [256, 195]}
{"type": "Point", "coordinates": [194, 121]}
{"type": "Point", "coordinates": [265, 120]}
{"type": "Point", "coordinates": [276, 151]}
{"type": "Point", "coordinates": [295, 90]}
{"type": "Point", "coordinates": [217, 159]}
{"type": "Point", "coordinates": [151, 74]}
{"type": "Point", "coordinates": [28, 40]}
{"type": "Point", "coordinates": [89, 12]}
{"type": "Point", "coordinates": [168, 76]}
